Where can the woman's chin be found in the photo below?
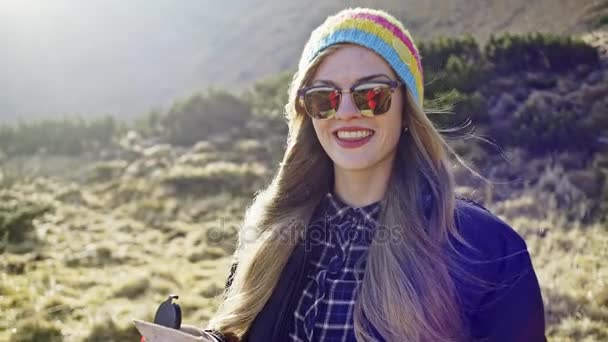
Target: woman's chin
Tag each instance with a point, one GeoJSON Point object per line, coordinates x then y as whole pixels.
{"type": "Point", "coordinates": [352, 165]}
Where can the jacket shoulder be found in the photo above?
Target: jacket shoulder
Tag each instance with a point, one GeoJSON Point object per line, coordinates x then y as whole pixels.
{"type": "Point", "coordinates": [492, 255]}
{"type": "Point", "coordinates": [499, 287]}
{"type": "Point", "coordinates": [485, 231]}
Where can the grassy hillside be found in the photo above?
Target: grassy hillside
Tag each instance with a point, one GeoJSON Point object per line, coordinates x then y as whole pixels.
{"type": "Point", "coordinates": [105, 57]}
{"type": "Point", "coordinates": [80, 259]}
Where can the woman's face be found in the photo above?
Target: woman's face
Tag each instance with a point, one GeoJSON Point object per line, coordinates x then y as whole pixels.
{"type": "Point", "coordinates": [343, 68]}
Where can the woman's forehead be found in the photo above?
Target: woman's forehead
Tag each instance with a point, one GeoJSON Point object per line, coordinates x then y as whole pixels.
{"type": "Point", "coordinates": [350, 63]}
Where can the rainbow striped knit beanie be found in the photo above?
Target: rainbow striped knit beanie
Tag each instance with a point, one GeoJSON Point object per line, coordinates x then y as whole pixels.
{"type": "Point", "coordinates": [376, 30]}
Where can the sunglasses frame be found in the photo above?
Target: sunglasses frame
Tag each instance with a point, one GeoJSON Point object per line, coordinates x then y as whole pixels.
{"type": "Point", "coordinates": [392, 84]}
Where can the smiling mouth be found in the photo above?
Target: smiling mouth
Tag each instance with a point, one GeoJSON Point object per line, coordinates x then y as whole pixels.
{"type": "Point", "coordinates": [353, 135]}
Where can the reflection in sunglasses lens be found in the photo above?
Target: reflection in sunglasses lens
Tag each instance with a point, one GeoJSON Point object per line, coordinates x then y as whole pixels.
{"type": "Point", "coordinates": [370, 98]}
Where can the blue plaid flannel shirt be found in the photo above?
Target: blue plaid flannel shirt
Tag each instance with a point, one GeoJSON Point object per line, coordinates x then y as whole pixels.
{"type": "Point", "coordinates": [338, 242]}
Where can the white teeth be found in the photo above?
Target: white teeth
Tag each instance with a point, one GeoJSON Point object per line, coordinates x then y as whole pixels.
{"type": "Point", "coordinates": [354, 134]}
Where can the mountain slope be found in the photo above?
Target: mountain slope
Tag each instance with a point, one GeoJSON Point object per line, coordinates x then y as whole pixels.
{"type": "Point", "coordinates": [96, 57]}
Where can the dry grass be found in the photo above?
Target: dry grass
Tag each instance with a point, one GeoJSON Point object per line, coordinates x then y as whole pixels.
{"type": "Point", "coordinates": [113, 248]}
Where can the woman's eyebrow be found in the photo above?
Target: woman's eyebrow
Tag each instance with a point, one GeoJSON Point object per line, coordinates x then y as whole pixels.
{"type": "Point", "coordinates": [371, 77]}
{"type": "Point", "coordinates": [326, 82]}
{"type": "Point", "coordinates": [362, 79]}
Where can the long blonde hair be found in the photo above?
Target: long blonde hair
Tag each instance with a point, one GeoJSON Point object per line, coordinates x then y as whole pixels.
{"type": "Point", "coordinates": [407, 292]}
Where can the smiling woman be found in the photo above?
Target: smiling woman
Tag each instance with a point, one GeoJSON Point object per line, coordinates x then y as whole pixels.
{"type": "Point", "coordinates": [360, 235]}
{"type": "Point", "coordinates": [355, 142]}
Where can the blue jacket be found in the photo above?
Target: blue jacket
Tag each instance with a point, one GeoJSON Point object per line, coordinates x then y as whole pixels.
{"type": "Point", "coordinates": [510, 311]}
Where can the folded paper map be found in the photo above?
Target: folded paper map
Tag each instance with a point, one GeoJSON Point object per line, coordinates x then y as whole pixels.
{"type": "Point", "coordinates": [158, 333]}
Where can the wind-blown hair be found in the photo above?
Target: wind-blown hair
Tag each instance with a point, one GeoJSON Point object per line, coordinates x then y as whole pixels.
{"type": "Point", "coordinates": [408, 293]}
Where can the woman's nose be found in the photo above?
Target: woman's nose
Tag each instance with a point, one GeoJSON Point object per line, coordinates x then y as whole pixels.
{"type": "Point", "coordinates": [347, 109]}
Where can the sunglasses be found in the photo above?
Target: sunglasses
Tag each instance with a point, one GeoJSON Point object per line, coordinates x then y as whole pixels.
{"type": "Point", "coordinates": [371, 98]}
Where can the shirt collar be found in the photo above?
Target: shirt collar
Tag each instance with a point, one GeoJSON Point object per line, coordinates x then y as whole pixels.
{"type": "Point", "coordinates": [338, 210]}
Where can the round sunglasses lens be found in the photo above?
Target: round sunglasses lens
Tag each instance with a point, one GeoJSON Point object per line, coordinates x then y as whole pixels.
{"type": "Point", "coordinates": [322, 103]}
{"type": "Point", "coordinates": [373, 98]}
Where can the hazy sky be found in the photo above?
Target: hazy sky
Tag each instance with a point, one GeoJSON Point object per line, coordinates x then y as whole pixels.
{"type": "Point", "coordinates": [98, 56]}
{"type": "Point", "coordinates": [125, 57]}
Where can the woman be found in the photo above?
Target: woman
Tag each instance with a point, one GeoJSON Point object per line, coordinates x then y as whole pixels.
{"type": "Point", "coordinates": [360, 235]}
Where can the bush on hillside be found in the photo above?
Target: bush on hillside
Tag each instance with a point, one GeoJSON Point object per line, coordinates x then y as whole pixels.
{"type": "Point", "coordinates": [459, 62]}
{"type": "Point", "coordinates": [451, 63]}
{"type": "Point", "coordinates": [269, 96]}
{"type": "Point", "coordinates": [36, 330]}
{"type": "Point", "coordinates": [599, 14]}
{"type": "Point", "coordinates": [67, 136]}
{"type": "Point", "coordinates": [460, 107]}
{"type": "Point", "coordinates": [108, 330]}
{"type": "Point", "coordinates": [150, 124]}
{"type": "Point", "coordinates": [548, 122]}
{"type": "Point", "coordinates": [436, 53]}
{"type": "Point", "coordinates": [202, 115]}
{"type": "Point", "coordinates": [216, 177]}
{"type": "Point", "coordinates": [510, 52]}
{"type": "Point", "coordinates": [16, 219]}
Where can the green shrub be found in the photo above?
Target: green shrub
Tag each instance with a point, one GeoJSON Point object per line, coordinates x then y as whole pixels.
{"type": "Point", "coordinates": [599, 14]}
{"type": "Point", "coordinates": [463, 74]}
{"type": "Point", "coordinates": [547, 122]}
{"type": "Point", "coordinates": [269, 96]}
{"type": "Point", "coordinates": [451, 63]}
{"type": "Point", "coordinates": [556, 190]}
{"type": "Point", "coordinates": [36, 330]}
{"type": "Point", "coordinates": [216, 177]}
{"type": "Point", "coordinates": [459, 63]}
{"type": "Point", "coordinates": [462, 107]}
{"type": "Point", "coordinates": [436, 53]}
{"type": "Point", "coordinates": [206, 253]}
{"type": "Point", "coordinates": [510, 53]}
{"type": "Point", "coordinates": [16, 219]}
{"type": "Point", "coordinates": [150, 124]}
{"type": "Point", "coordinates": [202, 115]}
{"type": "Point", "coordinates": [67, 136]}
{"type": "Point", "coordinates": [133, 287]}
{"type": "Point", "coordinates": [541, 80]}
{"type": "Point", "coordinates": [107, 330]}
{"type": "Point", "coordinates": [105, 170]}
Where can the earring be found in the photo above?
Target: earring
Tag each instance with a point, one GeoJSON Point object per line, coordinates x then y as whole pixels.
{"type": "Point", "coordinates": [405, 129]}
